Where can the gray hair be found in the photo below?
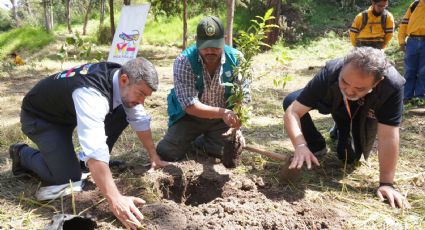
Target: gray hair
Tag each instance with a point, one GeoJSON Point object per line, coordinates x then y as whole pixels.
{"type": "Point", "coordinates": [141, 69]}
{"type": "Point", "coordinates": [368, 60]}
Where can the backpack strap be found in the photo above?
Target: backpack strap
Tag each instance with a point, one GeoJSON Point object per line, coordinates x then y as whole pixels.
{"type": "Point", "coordinates": [414, 5]}
{"type": "Point", "coordinates": [384, 21]}
{"type": "Point", "coordinates": [364, 20]}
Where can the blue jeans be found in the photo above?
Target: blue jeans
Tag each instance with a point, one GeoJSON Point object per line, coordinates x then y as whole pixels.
{"type": "Point", "coordinates": [414, 68]}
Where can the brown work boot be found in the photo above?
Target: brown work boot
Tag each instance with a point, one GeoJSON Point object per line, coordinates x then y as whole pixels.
{"type": "Point", "coordinates": [14, 150]}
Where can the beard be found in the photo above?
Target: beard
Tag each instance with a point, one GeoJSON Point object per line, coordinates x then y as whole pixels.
{"type": "Point", "coordinates": [376, 13]}
{"type": "Point", "coordinates": [127, 103]}
{"type": "Point", "coordinates": [350, 98]}
{"type": "Point", "coordinates": [211, 58]}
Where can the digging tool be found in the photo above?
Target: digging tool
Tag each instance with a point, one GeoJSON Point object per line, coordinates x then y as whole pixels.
{"type": "Point", "coordinates": [286, 174]}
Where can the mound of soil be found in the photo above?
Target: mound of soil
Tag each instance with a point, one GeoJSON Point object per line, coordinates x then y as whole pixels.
{"type": "Point", "coordinates": [204, 195]}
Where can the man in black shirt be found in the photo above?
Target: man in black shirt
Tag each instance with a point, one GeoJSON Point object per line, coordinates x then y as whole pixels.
{"type": "Point", "coordinates": [364, 95]}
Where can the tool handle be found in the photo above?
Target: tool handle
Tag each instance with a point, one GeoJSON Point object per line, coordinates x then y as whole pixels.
{"type": "Point", "coordinates": [272, 155]}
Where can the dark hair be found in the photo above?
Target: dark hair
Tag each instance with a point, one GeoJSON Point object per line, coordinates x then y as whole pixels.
{"type": "Point", "coordinates": [378, 1]}
{"type": "Point", "coordinates": [369, 60]}
{"type": "Point", "coordinates": [141, 69]}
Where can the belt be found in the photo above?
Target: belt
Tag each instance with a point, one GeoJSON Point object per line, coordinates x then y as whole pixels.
{"type": "Point", "coordinates": [417, 37]}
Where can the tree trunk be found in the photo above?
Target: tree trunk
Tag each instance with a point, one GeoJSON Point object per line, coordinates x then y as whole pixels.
{"type": "Point", "coordinates": [230, 16]}
{"type": "Point", "coordinates": [68, 14]}
{"type": "Point", "coordinates": [47, 21]}
{"type": "Point", "coordinates": [15, 13]}
{"type": "Point", "coordinates": [51, 12]}
{"type": "Point", "coordinates": [184, 24]}
{"type": "Point", "coordinates": [28, 7]}
{"type": "Point", "coordinates": [273, 35]}
{"type": "Point", "coordinates": [111, 16]}
{"type": "Point", "coordinates": [127, 2]}
{"type": "Point", "coordinates": [86, 18]}
{"type": "Point", "coordinates": [102, 13]}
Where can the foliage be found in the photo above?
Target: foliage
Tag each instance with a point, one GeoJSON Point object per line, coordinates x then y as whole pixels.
{"type": "Point", "coordinates": [5, 21]}
{"type": "Point", "coordinates": [103, 35]}
{"type": "Point", "coordinates": [281, 80]}
{"type": "Point", "coordinates": [24, 38]}
{"type": "Point", "coordinates": [249, 43]}
{"type": "Point", "coordinates": [77, 49]}
{"type": "Point", "coordinates": [175, 7]}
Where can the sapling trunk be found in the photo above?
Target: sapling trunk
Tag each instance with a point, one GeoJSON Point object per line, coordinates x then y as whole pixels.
{"type": "Point", "coordinates": [249, 43]}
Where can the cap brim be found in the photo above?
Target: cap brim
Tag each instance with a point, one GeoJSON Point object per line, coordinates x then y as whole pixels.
{"type": "Point", "coordinates": [213, 43]}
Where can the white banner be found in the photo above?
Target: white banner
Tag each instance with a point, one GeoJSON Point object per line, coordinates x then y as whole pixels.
{"type": "Point", "coordinates": [128, 34]}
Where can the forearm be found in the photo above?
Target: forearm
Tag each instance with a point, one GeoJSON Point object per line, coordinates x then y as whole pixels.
{"type": "Point", "coordinates": [293, 127]}
{"type": "Point", "coordinates": [353, 37]}
{"type": "Point", "coordinates": [146, 138]}
{"type": "Point", "coordinates": [205, 111]}
{"type": "Point", "coordinates": [102, 176]}
{"type": "Point", "coordinates": [388, 150]}
{"type": "Point", "coordinates": [387, 39]}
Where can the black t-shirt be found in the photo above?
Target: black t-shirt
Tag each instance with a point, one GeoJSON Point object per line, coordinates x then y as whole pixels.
{"type": "Point", "coordinates": [390, 113]}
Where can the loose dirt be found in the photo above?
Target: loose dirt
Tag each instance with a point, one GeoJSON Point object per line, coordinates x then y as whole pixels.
{"type": "Point", "coordinates": [202, 194]}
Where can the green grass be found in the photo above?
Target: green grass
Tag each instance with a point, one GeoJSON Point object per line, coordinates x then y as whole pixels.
{"type": "Point", "coordinates": [25, 38]}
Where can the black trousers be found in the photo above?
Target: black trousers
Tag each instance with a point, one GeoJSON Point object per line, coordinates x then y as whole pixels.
{"type": "Point", "coordinates": [55, 161]}
{"type": "Point", "coordinates": [315, 140]}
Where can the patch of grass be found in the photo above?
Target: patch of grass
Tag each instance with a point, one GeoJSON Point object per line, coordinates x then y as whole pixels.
{"type": "Point", "coordinates": [25, 38]}
{"type": "Point", "coordinates": [169, 31]}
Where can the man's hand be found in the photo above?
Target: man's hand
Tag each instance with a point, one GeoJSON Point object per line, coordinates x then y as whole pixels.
{"type": "Point", "coordinates": [393, 196]}
{"type": "Point", "coordinates": [124, 208]}
{"type": "Point", "coordinates": [230, 118]}
{"type": "Point", "coordinates": [157, 163]}
{"type": "Point", "coordinates": [302, 153]}
{"type": "Point", "coordinates": [403, 47]}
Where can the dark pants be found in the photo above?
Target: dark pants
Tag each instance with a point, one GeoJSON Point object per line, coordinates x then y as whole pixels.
{"type": "Point", "coordinates": [56, 162]}
{"type": "Point", "coordinates": [206, 134]}
{"type": "Point", "coordinates": [314, 138]}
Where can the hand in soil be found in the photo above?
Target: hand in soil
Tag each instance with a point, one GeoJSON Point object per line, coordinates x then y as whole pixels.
{"type": "Point", "coordinates": [231, 119]}
{"type": "Point", "coordinates": [393, 197]}
{"type": "Point", "coordinates": [124, 208]}
{"type": "Point", "coordinates": [302, 153]}
{"type": "Point", "coordinates": [157, 163]}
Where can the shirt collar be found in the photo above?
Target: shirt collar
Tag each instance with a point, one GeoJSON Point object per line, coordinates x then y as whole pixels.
{"type": "Point", "coordinates": [116, 96]}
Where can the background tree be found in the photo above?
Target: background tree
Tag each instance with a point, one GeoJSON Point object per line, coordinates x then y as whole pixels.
{"type": "Point", "coordinates": [185, 36]}
{"type": "Point", "coordinates": [272, 35]}
{"type": "Point", "coordinates": [111, 17]}
{"type": "Point", "coordinates": [68, 14]}
{"type": "Point", "coordinates": [230, 16]}
{"type": "Point", "coordinates": [127, 2]}
{"type": "Point", "coordinates": [86, 18]}
{"type": "Point", "coordinates": [102, 13]}
{"type": "Point", "coordinates": [15, 13]}
{"type": "Point", "coordinates": [47, 15]}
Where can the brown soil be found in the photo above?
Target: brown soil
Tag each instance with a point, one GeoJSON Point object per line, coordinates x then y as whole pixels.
{"type": "Point", "coordinates": [231, 152]}
{"type": "Point", "coordinates": [204, 195]}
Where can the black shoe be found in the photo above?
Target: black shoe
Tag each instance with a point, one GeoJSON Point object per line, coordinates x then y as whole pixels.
{"type": "Point", "coordinates": [14, 150]}
{"type": "Point", "coordinates": [117, 164]}
{"type": "Point", "coordinates": [333, 133]}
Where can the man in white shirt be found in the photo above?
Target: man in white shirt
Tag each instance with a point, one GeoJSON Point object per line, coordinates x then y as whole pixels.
{"type": "Point", "coordinates": [99, 99]}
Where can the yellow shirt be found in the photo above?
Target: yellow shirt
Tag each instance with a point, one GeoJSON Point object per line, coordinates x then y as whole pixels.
{"type": "Point", "coordinates": [18, 60]}
{"type": "Point", "coordinates": [412, 23]}
{"type": "Point", "coordinates": [373, 31]}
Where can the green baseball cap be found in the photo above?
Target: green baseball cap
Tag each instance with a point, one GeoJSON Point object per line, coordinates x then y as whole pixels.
{"type": "Point", "coordinates": [210, 33]}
